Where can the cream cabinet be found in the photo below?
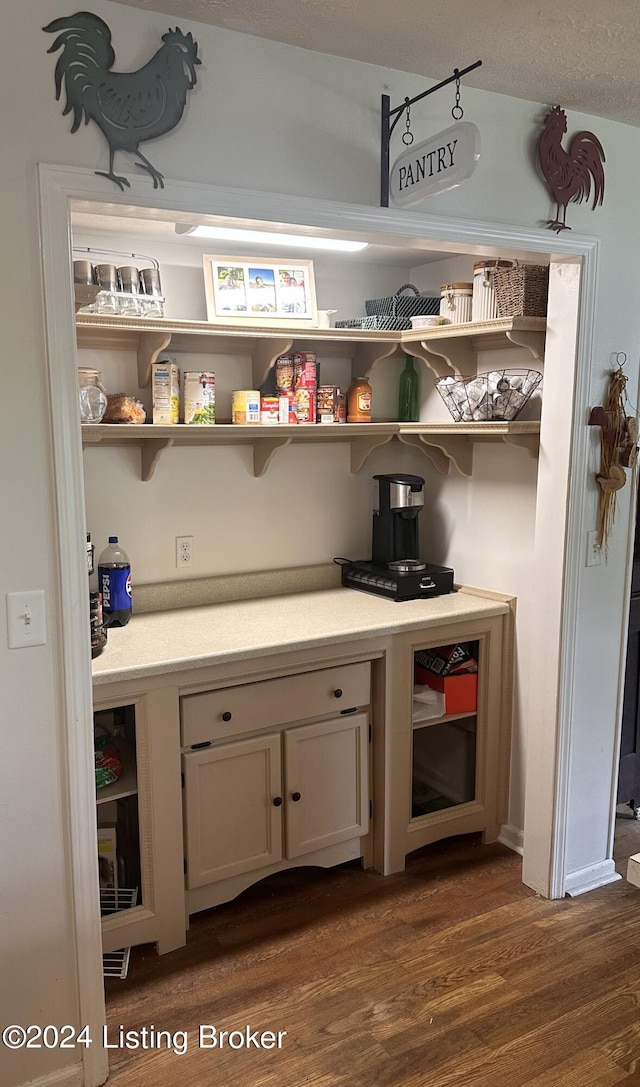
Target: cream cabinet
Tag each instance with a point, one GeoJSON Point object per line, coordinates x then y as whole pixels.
{"type": "Point", "coordinates": [263, 794]}
{"type": "Point", "coordinates": [270, 799]}
{"type": "Point", "coordinates": [143, 808]}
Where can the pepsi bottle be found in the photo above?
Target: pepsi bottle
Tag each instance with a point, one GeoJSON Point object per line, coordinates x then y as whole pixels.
{"type": "Point", "coordinates": [114, 581]}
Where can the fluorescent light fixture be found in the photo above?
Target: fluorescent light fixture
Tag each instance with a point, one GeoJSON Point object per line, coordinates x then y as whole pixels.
{"type": "Point", "coordinates": [265, 237]}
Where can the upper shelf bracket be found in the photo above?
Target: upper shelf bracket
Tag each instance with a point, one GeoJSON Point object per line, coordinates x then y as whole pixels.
{"type": "Point", "coordinates": [362, 448]}
{"type": "Point", "coordinates": [150, 344]}
{"type": "Point", "coordinates": [367, 354]}
{"type": "Point", "coordinates": [150, 454]}
{"type": "Point", "coordinates": [265, 353]}
{"type": "Point", "coordinates": [534, 341]}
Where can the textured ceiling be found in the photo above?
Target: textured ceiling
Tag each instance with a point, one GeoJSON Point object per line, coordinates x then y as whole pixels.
{"type": "Point", "coordinates": [580, 54]}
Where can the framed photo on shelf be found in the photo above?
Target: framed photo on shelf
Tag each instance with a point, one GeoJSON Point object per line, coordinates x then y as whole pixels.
{"type": "Point", "coordinates": [254, 291]}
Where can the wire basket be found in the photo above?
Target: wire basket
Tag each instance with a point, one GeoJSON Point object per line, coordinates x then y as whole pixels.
{"type": "Point", "coordinates": [498, 396]}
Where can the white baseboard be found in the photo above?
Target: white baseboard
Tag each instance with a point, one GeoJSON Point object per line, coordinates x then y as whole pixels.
{"type": "Point", "coordinates": [71, 1076]}
{"type": "Point", "coordinates": [588, 879]}
{"type": "Point", "coordinates": [512, 837]}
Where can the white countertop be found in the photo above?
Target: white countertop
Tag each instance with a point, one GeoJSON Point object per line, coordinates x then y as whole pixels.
{"type": "Point", "coordinates": [184, 638]}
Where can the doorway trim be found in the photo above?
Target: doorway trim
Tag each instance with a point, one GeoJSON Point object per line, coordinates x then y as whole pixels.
{"type": "Point", "coordinates": [59, 189]}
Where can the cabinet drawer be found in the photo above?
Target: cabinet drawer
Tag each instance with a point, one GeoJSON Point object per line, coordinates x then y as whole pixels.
{"type": "Point", "coordinates": [231, 711]}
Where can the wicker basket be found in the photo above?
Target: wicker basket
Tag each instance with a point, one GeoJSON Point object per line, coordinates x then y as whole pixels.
{"type": "Point", "coordinates": [498, 396]}
{"type": "Point", "coordinates": [402, 306]}
{"type": "Point", "coordinates": [521, 291]}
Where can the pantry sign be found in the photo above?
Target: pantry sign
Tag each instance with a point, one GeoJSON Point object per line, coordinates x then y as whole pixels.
{"type": "Point", "coordinates": [438, 164]}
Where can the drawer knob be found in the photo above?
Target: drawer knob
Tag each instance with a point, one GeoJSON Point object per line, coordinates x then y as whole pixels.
{"type": "Point", "coordinates": [226, 716]}
{"type": "Point", "coordinates": [277, 801]}
{"type": "Point", "coordinates": [295, 797]}
{"type": "Point", "coordinates": [338, 692]}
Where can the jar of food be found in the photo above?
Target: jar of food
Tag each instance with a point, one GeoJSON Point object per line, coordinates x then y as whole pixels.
{"type": "Point", "coordinates": [93, 396]}
{"type": "Point", "coordinates": [484, 306]}
{"type": "Point", "coordinates": [455, 302]}
{"type": "Point", "coordinates": [359, 401]}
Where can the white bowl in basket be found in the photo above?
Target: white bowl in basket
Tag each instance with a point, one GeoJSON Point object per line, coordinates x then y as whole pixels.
{"type": "Point", "coordinates": [427, 321]}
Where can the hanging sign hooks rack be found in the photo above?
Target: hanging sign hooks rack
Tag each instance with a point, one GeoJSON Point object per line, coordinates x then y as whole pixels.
{"type": "Point", "coordinates": [390, 118]}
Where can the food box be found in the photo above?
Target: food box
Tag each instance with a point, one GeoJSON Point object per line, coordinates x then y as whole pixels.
{"type": "Point", "coordinates": [305, 370]}
{"type": "Point", "coordinates": [445, 659]}
{"type": "Point", "coordinates": [107, 858]}
{"type": "Point", "coordinates": [460, 691]}
{"type": "Point", "coordinates": [165, 383]}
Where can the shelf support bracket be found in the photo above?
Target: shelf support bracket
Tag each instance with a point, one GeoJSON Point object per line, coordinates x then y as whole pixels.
{"type": "Point", "coordinates": [362, 448]}
{"type": "Point", "coordinates": [532, 340]}
{"type": "Point", "coordinates": [439, 460]}
{"type": "Point", "coordinates": [457, 353]}
{"type": "Point", "coordinates": [530, 442]}
{"type": "Point", "coordinates": [150, 453]}
{"type": "Point", "coordinates": [150, 344]}
{"type": "Point", "coordinates": [367, 354]}
{"type": "Point", "coordinates": [265, 450]}
{"type": "Point", "coordinates": [265, 354]}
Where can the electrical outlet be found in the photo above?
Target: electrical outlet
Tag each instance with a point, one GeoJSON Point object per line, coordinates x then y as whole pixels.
{"type": "Point", "coordinates": [594, 554]}
{"type": "Point", "coordinates": [184, 551]}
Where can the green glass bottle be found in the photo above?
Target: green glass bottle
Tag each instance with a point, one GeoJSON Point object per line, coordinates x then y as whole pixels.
{"type": "Point", "coordinates": [409, 394]}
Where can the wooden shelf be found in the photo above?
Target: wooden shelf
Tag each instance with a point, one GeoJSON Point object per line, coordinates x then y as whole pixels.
{"type": "Point", "coordinates": [452, 349]}
{"type": "Point", "coordinates": [148, 338]}
{"type": "Point", "coordinates": [446, 443]}
{"type": "Point", "coordinates": [443, 443]}
{"type": "Point", "coordinates": [127, 783]}
{"type": "Point", "coordinates": [449, 349]}
{"type": "Point", "coordinates": [444, 719]}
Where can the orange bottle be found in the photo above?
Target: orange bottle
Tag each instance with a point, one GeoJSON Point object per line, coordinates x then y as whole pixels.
{"type": "Point", "coordinates": [359, 401]}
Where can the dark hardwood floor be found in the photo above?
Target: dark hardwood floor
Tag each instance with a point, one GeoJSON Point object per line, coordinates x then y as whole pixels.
{"type": "Point", "coordinates": [451, 974]}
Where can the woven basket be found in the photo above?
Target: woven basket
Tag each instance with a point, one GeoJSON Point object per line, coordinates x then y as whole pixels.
{"type": "Point", "coordinates": [395, 312]}
{"type": "Point", "coordinates": [521, 291]}
{"type": "Point", "coordinates": [402, 307]}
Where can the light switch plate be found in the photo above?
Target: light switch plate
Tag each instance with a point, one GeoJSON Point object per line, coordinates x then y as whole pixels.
{"type": "Point", "coordinates": [26, 619]}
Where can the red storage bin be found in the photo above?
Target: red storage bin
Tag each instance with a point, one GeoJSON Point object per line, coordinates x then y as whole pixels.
{"type": "Point", "coordinates": [460, 691]}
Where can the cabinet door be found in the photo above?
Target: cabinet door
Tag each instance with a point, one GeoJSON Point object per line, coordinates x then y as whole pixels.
{"type": "Point", "coordinates": [232, 824]}
{"type": "Point", "coordinates": [327, 789]}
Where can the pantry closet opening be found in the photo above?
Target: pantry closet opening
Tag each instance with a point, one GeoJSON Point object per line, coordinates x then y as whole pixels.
{"type": "Point", "coordinates": [413, 239]}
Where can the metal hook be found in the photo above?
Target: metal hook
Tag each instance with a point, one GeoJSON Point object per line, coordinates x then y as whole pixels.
{"type": "Point", "coordinates": [407, 136]}
{"type": "Point", "coordinates": [457, 112]}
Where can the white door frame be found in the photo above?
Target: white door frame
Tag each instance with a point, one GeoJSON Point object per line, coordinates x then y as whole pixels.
{"type": "Point", "coordinates": [59, 189]}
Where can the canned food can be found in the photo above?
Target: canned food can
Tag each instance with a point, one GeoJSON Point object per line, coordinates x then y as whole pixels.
{"type": "Point", "coordinates": [305, 370]}
{"type": "Point", "coordinates": [341, 408]}
{"type": "Point", "coordinates": [327, 403]}
{"type": "Point", "coordinates": [284, 372]}
{"type": "Point", "coordinates": [199, 391]}
{"type": "Point", "coordinates": [305, 404]}
{"type": "Point", "coordinates": [245, 406]}
{"type": "Point", "coordinates": [270, 410]}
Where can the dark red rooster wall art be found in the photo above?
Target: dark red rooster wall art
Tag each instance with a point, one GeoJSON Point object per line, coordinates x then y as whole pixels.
{"type": "Point", "coordinates": [570, 174]}
{"type": "Point", "coordinates": [128, 107]}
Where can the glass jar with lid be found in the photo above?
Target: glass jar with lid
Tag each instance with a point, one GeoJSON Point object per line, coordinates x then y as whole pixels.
{"type": "Point", "coordinates": [93, 396]}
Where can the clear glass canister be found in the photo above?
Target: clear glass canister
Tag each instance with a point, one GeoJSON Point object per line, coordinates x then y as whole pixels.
{"type": "Point", "coordinates": [93, 396]}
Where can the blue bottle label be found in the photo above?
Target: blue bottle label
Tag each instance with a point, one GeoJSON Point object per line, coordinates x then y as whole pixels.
{"type": "Point", "coordinates": [115, 586]}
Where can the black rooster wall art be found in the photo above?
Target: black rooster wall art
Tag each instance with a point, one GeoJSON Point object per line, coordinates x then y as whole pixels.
{"type": "Point", "coordinates": [128, 107]}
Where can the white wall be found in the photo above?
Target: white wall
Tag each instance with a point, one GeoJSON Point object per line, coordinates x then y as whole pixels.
{"type": "Point", "coordinates": [314, 132]}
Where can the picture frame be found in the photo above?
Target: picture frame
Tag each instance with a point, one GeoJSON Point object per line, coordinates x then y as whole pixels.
{"type": "Point", "coordinates": [254, 291]}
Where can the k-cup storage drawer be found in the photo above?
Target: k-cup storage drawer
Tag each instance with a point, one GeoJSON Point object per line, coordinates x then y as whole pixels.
{"type": "Point", "coordinates": [231, 711]}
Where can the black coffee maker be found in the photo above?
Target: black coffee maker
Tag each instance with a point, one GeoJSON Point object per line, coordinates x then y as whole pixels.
{"type": "Point", "coordinates": [396, 569]}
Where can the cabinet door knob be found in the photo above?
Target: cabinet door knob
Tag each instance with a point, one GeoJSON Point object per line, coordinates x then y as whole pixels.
{"type": "Point", "coordinates": [338, 692]}
{"type": "Point", "coordinates": [226, 716]}
{"type": "Point", "coordinates": [277, 801]}
{"type": "Point", "coordinates": [295, 797]}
